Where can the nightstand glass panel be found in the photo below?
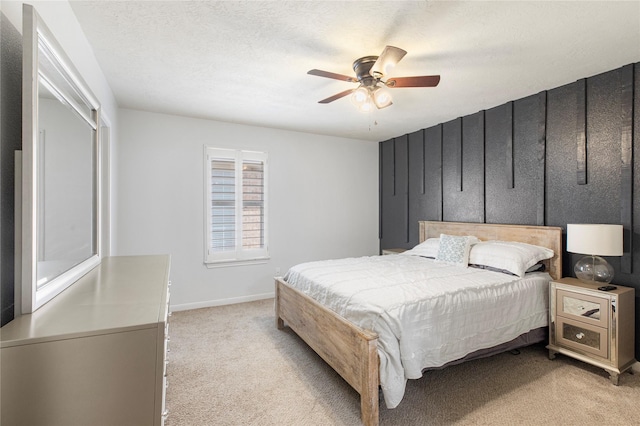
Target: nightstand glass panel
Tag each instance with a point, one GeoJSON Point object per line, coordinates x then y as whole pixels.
{"type": "Point", "coordinates": [580, 335]}
{"type": "Point", "coordinates": [584, 337]}
{"type": "Point", "coordinates": [575, 306]}
{"type": "Point", "coordinates": [584, 307]}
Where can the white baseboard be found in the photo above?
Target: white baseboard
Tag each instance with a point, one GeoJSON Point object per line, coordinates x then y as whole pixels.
{"type": "Point", "coordinates": [221, 302]}
{"type": "Point", "coordinates": [636, 367]}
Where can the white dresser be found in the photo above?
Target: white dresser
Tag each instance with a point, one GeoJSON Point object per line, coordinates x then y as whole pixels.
{"type": "Point", "coordinates": [95, 354]}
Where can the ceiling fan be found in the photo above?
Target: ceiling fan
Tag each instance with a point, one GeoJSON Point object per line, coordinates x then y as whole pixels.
{"type": "Point", "coordinates": [370, 71]}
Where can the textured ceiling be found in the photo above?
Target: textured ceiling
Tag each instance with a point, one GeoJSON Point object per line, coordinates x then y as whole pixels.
{"type": "Point", "coordinates": [246, 61]}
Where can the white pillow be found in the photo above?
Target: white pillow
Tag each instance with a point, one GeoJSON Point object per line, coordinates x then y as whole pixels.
{"type": "Point", "coordinates": [454, 250]}
{"type": "Point", "coordinates": [427, 248]}
{"type": "Point", "coordinates": [511, 256]}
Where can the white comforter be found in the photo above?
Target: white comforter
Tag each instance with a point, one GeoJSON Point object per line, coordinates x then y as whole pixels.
{"type": "Point", "coordinates": [426, 313]}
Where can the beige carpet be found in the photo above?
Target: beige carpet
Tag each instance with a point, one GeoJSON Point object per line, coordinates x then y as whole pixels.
{"type": "Point", "coordinates": [229, 365]}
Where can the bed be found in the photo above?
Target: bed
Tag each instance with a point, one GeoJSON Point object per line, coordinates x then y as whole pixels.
{"type": "Point", "coordinates": [358, 353]}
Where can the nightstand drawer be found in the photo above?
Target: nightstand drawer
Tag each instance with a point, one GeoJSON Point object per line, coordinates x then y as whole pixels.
{"type": "Point", "coordinates": [583, 307]}
{"type": "Point", "coordinates": [581, 336]}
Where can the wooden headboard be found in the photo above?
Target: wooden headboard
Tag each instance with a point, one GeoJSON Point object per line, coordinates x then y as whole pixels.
{"type": "Point", "coordinates": [545, 236]}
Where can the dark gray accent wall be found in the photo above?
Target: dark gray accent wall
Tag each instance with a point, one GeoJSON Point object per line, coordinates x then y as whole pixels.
{"type": "Point", "coordinates": [394, 200]}
{"type": "Point", "coordinates": [11, 140]}
{"type": "Point", "coordinates": [570, 154]}
{"type": "Point", "coordinates": [463, 169]}
{"type": "Point", "coordinates": [514, 172]}
{"type": "Point", "coordinates": [425, 178]}
{"type": "Point", "coordinates": [416, 183]}
{"type": "Point", "coordinates": [634, 244]}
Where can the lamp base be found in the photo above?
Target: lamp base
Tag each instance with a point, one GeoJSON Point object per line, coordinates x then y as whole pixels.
{"type": "Point", "coordinates": [593, 269]}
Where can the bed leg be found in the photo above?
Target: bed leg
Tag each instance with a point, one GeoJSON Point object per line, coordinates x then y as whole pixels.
{"type": "Point", "coordinates": [370, 411]}
{"type": "Point", "coordinates": [279, 321]}
{"type": "Point", "coordinates": [369, 403]}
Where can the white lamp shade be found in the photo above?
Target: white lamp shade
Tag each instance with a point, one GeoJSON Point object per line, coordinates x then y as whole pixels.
{"type": "Point", "coordinates": [595, 239]}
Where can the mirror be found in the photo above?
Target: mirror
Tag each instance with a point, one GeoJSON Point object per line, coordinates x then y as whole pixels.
{"type": "Point", "coordinates": [60, 205]}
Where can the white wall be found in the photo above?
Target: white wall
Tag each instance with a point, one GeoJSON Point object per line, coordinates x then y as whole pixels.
{"type": "Point", "coordinates": [323, 201]}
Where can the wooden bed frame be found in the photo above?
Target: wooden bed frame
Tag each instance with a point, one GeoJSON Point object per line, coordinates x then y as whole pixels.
{"type": "Point", "coordinates": [352, 351]}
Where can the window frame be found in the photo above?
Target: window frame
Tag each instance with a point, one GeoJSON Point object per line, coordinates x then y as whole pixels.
{"type": "Point", "coordinates": [239, 255]}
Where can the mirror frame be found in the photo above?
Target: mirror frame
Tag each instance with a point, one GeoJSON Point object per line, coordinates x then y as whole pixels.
{"type": "Point", "coordinates": [32, 297]}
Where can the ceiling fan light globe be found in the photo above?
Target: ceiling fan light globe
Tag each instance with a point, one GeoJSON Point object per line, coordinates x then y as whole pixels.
{"type": "Point", "coordinates": [360, 96]}
{"type": "Point", "coordinates": [366, 107]}
{"type": "Point", "coordinates": [381, 98]}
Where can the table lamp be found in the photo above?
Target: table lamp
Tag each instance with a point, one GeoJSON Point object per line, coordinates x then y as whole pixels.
{"type": "Point", "coordinates": [594, 240]}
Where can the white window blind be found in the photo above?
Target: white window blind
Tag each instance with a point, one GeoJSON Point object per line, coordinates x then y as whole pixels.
{"type": "Point", "coordinates": [236, 205]}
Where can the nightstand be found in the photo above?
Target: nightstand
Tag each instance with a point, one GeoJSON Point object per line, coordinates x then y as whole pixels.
{"type": "Point", "coordinates": [393, 251]}
{"type": "Point", "coordinates": [594, 326]}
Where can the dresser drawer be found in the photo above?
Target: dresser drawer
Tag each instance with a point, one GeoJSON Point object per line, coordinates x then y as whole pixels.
{"type": "Point", "coordinates": [583, 307]}
{"type": "Point", "coordinates": [581, 336]}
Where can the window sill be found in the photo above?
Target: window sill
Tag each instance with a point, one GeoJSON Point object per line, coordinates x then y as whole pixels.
{"type": "Point", "coordinates": [239, 262]}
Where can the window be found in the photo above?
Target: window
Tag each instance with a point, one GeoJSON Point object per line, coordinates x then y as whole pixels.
{"type": "Point", "coordinates": [235, 205]}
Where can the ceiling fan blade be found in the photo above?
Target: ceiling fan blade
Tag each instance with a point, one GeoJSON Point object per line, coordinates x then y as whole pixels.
{"type": "Point", "coordinates": [333, 75]}
{"type": "Point", "coordinates": [334, 97]}
{"type": "Point", "coordinates": [389, 57]}
{"type": "Point", "coordinates": [419, 81]}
